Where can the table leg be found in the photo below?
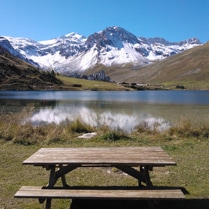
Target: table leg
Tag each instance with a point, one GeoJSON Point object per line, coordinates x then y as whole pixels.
{"type": "Point", "coordinates": [141, 169]}
{"type": "Point", "coordinates": [48, 203]}
{"type": "Point", "coordinates": [133, 172]}
{"type": "Point", "coordinates": [145, 170]}
{"type": "Point", "coordinates": [55, 175]}
{"type": "Point", "coordinates": [147, 176]}
{"type": "Point", "coordinates": [142, 175]}
{"type": "Point", "coordinates": [64, 182]}
{"type": "Point", "coordinates": [64, 170]}
{"type": "Point", "coordinates": [52, 181]}
{"type": "Point", "coordinates": [52, 177]}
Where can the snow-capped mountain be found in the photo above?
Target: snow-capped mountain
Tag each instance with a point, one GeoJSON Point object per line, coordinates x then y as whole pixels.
{"type": "Point", "coordinates": [159, 48]}
{"type": "Point", "coordinates": [16, 51]}
{"type": "Point", "coordinates": [112, 46]}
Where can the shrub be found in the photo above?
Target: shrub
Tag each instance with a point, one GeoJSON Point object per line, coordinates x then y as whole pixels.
{"type": "Point", "coordinates": [114, 136]}
{"type": "Point", "coordinates": [24, 141]}
{"type": "Point", "coordinates": [77, 85]}
{"type": "Point", "coordinates": [80, 127]}
{"type": "Point", "coordinates": [180, 87]}
{"type": "Point", "coordinates": [186, 128]}
{"type": "Point", "coordinates": [28, 135]}
{"type": "Point", "coordinates": [182, 128]}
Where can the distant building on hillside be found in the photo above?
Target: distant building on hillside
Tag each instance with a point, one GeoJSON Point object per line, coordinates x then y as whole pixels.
{"type": "Point", "coordinates": [99, 76]}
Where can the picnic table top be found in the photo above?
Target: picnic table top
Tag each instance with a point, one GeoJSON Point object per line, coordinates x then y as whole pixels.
{"type": "Point", "coordinates": [130, 156]}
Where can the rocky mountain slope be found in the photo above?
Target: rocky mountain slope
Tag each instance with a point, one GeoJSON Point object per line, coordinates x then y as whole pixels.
{"type": "Point", "coordinates": [16, 74]}
{"type": "Point", "coordinates": [113, 46]}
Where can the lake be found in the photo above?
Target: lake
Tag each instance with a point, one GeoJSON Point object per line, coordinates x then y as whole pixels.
{"type": "Point", "coordinates": [118, 110]}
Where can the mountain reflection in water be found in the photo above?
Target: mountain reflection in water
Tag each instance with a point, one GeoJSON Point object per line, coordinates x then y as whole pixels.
{"type": "Point", "coordinates": [113, 120]}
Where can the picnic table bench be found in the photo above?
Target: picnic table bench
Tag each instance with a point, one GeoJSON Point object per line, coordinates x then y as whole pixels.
{"type": "Point", "coordinates": [135, 161]}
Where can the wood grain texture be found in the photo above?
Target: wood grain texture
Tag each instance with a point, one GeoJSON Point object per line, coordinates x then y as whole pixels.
{"type": "Point", "coordinates": [38, 192]}
{"type": "Point", "coordinates": [131, 156]}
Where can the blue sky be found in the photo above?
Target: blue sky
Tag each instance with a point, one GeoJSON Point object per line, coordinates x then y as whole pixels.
{"type": "Point", "coordinates": [174, 20]}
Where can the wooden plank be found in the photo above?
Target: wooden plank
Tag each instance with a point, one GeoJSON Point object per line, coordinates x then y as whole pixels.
{"type": "Point", "coordinates": [132, 156]}
{"type": "Point", "coordinates": [38, 192]}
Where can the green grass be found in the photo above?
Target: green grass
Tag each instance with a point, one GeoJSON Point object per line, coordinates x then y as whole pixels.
{"type": "Point", "coordinates": [83, 84]}
{"type": "Point", "coordinates": [187, 147]}
{"type": "Point", "coordinates": [193, 85]}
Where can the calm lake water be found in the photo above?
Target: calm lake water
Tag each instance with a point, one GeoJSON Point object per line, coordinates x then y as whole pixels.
{"type": "Point", "coordinates": [118, 110]}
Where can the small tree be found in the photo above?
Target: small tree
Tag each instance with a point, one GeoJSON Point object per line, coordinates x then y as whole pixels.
{"type": "Point", "coordinates": [53, 73]}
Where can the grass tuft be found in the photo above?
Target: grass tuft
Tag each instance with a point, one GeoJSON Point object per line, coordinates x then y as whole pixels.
{"type": "Point", "coordinates": [186, 128]}
{"type": "Point", "coordinates": [80, 127]}
{"type": "Point", "coordinates": [114, 136]}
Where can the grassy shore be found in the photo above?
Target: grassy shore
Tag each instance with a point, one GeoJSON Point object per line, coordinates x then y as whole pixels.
{"type": "Point", "coordinates": [93, 85]}
{"type": "Point", "coordinates": [186, 144]}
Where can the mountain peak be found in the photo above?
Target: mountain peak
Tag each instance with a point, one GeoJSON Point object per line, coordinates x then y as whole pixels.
{"type": "Point", "coordinates": [193, 41]}
{"type": "Point", "coordinates": [74, 36]}
{"type": "Point", "coordinates": [113, 36]}
{"type": "Point", "coordinates": [116, 29]}
{"type": "Point", "coordinates": [120, 33]}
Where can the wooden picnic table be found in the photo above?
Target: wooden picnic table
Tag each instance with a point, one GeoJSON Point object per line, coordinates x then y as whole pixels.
{"type": "Point", "coordinates": [135, 161]}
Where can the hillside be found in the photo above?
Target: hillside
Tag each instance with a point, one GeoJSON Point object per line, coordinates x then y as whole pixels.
{"type": "Point", "coordinates": [190, 69]}
{"type": "Point", "coordinates": [16, 74]}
